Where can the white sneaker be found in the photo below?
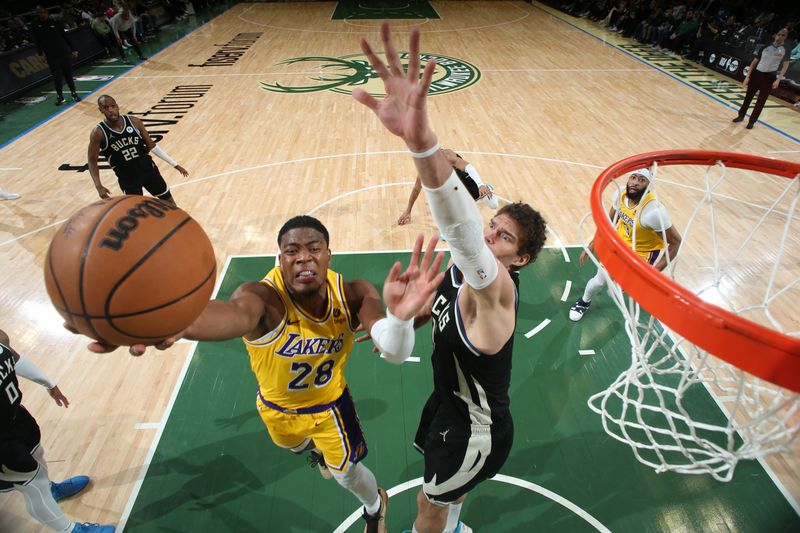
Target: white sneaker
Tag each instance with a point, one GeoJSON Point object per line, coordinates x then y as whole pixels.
{"type": "Point", "coordinates": [8, 195]}
{"type": "Point", "coordinates": [578, 309]}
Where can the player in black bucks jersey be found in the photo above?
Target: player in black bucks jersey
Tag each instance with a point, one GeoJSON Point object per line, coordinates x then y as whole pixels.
{"type": "Point", "coordinates": [22, 464]}
{"type": "Point", "coordinates": [466, 429]}
{"type": "Point", "coordinates": [123, 140]}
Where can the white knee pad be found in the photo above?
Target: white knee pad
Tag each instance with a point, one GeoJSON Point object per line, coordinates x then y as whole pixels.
{"type": "Point", "coordinates": [460, 222]}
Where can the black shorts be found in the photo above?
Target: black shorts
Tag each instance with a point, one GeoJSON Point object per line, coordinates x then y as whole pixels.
{"type": "Point", "coordinates": [458, 454]}
{"type": "Point", "coordinates": [149, 180]}
{"type": "Point", "coordinates": [17, 465]}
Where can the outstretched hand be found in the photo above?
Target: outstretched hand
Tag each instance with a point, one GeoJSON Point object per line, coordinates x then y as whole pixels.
{"type": "Point", "coordinates": [405, 294]}
{"type": "Point", "coordinates": [97, 346]}
{"type": "Point", "coordinates": [403, 111]}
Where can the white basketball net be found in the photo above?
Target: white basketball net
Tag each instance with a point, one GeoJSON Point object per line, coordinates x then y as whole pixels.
{"type": "Point", "coordinates": [678, 407]}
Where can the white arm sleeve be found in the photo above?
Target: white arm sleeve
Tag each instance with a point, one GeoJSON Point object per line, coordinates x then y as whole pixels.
{"type": "Point", "coordinates": [393, 337]}
{"type": "Point", "coordinates": [27, 369]}
{"type": "Point", "coordinates": [460, 222]}
{"type": "Point", "coordinates": [473, 173]}
{"type": "Point", "coordinates": [157, 151]}
{"type": "Point", "coordinates": [655, 217]}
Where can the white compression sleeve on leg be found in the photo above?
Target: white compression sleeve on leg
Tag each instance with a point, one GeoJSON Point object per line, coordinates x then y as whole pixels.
{"type": "Point", "coordinates": [157, 151]}
{"type": "Point", "coordinates": [460, 222]}
{"type": "Point", "coordinates": [594, 285]}
{"type": "Point", "coordinates": [40, 503]}
{"type": "Point", "coordinates": [27, 369]}
{"type": "Point", "coordinates": [360, 481]}
{"type": "Point", "coordinates": [393, 337]}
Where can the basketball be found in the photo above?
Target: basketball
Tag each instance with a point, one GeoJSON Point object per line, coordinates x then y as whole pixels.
{"type": "Point", "coordinates": [130, 270]}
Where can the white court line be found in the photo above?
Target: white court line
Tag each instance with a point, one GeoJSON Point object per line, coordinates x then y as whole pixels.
{"type": "Point", "coordinates": [538, 328]}
{"type": "Point", "coordinates": [148, 425]}
{"type": "Point", "coordinates": [411, 359]}
{"type": "Point", "coordinates": [783, 152]}
{"type": "Point", "coordinates": [501, 478]}
{"type": "Point", "coordinates": [567, 287]}
{"type": "Point", "coordinates": [560, 244]}
{"type": "Point", "coordinates": [10, 168]}
{"type": "Point", "coordinates": [585, 352]}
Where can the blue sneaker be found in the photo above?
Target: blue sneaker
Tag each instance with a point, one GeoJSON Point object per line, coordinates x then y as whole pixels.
{"type": "Point", "coordinates": [68, 487]}
{"type": "Point", "coordinates": [462, 528]}
{"type": "Point", "coordinates": [87, 527]}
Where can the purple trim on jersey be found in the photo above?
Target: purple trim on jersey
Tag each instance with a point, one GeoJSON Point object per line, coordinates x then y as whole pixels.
{"type": "Point", "coordinates": [301, 411]}
{"type": "Point", "coordinates": [652, 257]}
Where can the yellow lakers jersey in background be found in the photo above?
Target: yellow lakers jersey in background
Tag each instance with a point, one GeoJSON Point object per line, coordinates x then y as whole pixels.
{"type": "Point", "coordinates": [301, 362]}
{"type": "Point", "coordinates": [647, 240]}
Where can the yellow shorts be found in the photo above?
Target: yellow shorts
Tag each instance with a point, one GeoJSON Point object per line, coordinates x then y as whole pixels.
{"type": "Point", "coordinates": [336, 432]}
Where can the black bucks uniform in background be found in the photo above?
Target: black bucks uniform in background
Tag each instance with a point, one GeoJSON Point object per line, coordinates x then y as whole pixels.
{"type": "Point", "coordinates": [19, 432]}
{"type": "Point", "coordinates": [466, 430]}
{"type": "Point", "coordinates": [130, 159]}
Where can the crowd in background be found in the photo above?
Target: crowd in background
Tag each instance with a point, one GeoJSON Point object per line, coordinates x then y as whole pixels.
{"type": "Point", "coordinates": [689, 27]}
{"type": "Point", "coordinates": [15, 26]}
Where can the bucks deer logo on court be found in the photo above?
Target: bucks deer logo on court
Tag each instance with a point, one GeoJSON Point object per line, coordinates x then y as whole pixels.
{"type": "Point", "coordinates": [346, 73]}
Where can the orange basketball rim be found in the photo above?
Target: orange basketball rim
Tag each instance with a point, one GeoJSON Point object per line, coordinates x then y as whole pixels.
{"type": "Point", "coordinates": [756, 349]}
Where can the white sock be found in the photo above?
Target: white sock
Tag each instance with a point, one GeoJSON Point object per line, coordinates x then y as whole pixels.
{"type": "Point", "coordinates": [594, 285]}
{"type": "Point", "coordinates": [41, 505]}
{"type": "Point", "coordinates": [360, 480]}
{"type": "Point", "coordinates": [453, 512]}
{"type": "Point", "coordinates": [374, 507]}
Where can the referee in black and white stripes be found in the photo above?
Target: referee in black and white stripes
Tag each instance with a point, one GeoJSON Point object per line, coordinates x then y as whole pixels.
{"type": "Point", "coordinates": [763, 76]}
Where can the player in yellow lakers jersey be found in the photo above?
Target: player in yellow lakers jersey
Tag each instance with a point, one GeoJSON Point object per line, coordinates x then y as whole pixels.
{"type": "Point", "coordinates": [298, 324]}
{"type": "Point", "coordinates": [644, 224]}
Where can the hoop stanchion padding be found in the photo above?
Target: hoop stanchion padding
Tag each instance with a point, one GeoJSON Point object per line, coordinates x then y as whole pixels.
{"type": "Point", "coordinates": [758, 350]}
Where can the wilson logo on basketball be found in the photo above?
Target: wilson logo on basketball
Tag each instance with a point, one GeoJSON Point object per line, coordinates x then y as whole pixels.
{"type": "Point", "coordinates": [124, 225]}
{"type": "Point", "coordinates": [346, 73]}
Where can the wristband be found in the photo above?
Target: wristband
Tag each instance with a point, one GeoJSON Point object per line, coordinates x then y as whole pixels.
{"type": "Point", "coordinates": [393, 337]}
{"type": "Point", "coordinates": [427, 153]}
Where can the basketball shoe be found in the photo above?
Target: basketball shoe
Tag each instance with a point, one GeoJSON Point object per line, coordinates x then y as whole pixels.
{"type": "Point", "coordinates": [68, 488]}
{"type": "Point", "coordinates": [4, 195]}
{"type": "Point", "coordinates": [87, 527]}
{"type": "Point", "coordinates": [578, 309]}
{"type": "Point", "coordinates": [377, 523]}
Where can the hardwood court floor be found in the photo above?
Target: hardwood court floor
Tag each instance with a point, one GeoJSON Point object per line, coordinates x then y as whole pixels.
{"type": "Point", "coordinates": [553, 105]}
